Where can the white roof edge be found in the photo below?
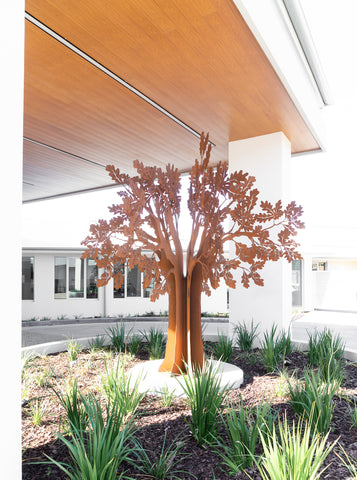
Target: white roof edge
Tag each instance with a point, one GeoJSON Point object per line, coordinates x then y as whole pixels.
{"type": "Point", "coordinates": [271, 25]}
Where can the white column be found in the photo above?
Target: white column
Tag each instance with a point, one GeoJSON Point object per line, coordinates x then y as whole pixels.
{"type": "Point", "coordinates": [268, 159]}
{"type": "Point", "coordinates": [11, 120]}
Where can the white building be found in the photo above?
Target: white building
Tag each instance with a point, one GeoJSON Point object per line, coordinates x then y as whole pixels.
{"type": "Point", "coordinates": [141, 80]}
{"type": "Point", "coordinates": [56, 283]}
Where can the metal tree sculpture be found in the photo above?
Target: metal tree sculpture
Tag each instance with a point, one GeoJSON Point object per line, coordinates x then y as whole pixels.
{"type": "Point", "coordinates": [147, 218]}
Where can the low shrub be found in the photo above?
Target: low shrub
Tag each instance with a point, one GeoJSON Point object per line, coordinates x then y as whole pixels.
{"type": "Point", "coordinates": [245, 335]}
{"type": "Point", "coordinates": [223, 348]}
{"type": "Point", "coordinates": [205, 397]}
{"type": "Point", "coordinates": [294, 453]}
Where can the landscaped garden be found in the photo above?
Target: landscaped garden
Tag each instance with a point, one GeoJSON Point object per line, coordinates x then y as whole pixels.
{"type": "Point", "coordinates": [294, 416]}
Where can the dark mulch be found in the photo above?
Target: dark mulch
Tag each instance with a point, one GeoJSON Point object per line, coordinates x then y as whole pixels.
{"type": "Point", "coordinates": [156, 420]}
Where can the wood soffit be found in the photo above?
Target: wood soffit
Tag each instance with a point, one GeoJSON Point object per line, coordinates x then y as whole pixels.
{"type": "Point", "coordinates": [198, 60]}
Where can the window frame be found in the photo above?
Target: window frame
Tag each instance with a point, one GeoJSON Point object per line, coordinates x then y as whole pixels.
{"type": "Point", "coordinates": [33, 277]}
{"type": "Point", "coordinates": [84, 274]}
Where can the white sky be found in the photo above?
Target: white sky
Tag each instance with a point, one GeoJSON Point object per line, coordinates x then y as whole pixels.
{"type": "Point", "coordinates": [324, 183]}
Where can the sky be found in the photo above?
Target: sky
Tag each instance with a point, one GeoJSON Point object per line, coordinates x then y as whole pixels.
{"type": "Point", "coordinates": [325, 184]}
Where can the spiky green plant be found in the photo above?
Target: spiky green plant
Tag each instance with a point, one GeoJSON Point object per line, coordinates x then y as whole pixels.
{"type": "Point", "coordinates": [76, 415]}
{"type": "Point", "coordinates": [98, 452]}
{"type": "Point", "coordinates": [242, 428]}
{"type": "Point", "coordinates": [119, 387]}
{"type": "Point", "coordinates": [117, 336]}
{"type": "Point", "coordinates": [134, 344]}
{"type": "Point", "coordinates": [206, 396]}
{"type": "Point", "coordinates": [96, 343]}
{"type": "Point", "coordinates": [245, 335]}
{"type": "Point", "coordinates": [164, 464]}
{"type": "Point", "coordinates": [294, 453]}
{"type": "Point", "coordinates": [313, 399]}
{"type": "Point", "coordinates": [324, 344]}
{"type": "Point", "coordinates": [37, 411]}
{"type": "Point", "coordinates": [156, 341]}
{"type": "Point", "coordinates": [74, 349]}
{"type": "Point", "coordinates": [166, 396]}
{"type": "Point", "coordinates": [223, 348]}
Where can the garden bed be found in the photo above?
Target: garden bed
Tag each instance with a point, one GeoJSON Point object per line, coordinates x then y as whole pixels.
{"type": "Point", "coordinates": [155, 420]}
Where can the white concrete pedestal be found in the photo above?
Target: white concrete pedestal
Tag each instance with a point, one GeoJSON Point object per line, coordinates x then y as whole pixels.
{"type": "Point", "coordinates": [154, 382]}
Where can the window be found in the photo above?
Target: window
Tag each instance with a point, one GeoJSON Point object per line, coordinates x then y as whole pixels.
{"type": "Point", "coordinates": [297, 283]}
{"type": "Point", "coordinates": [69, 277]}
{"type": "Point", "coordinates": [120, 292]}
{"type": "Point", "coordinates": [92, 277]}
{"type": "Point", "coordinates": [319, 266]}
{"type": "Point", "coordinates": [60, 277]}
{"type": "Point", "coordinates": [133, 282]}
{"type": "Point", "coordinates": [131, 286]}
{"type": "Point", "coordinates": [148, 291]}
{"type": "Point", "coordinates": [27, 278]}
{"type": "Point", "coordinates": [75, 277]}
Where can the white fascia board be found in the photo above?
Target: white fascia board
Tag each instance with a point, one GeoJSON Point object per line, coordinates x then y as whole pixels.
{"type": "Point", "coordinates": [272, 28]}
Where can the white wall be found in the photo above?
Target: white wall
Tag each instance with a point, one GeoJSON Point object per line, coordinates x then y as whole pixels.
{"type": "Point", "coordinates": [336, 288]}
{"type": "Point", "coordinates": [11, 120]}
{"type": "Point", "coordinates": [266, 157]}
{"type": "Point", "coordinates": [46, 305]}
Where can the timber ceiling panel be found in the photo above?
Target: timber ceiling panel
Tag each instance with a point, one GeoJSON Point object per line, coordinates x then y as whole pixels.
{"type": "Point", "coordinates": [198, 60]}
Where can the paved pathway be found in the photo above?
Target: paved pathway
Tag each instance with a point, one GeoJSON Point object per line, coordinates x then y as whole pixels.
{"type": "Point", "coordinates": [341, 322]}
{"type": "Point", "coordinates": [39, 334]}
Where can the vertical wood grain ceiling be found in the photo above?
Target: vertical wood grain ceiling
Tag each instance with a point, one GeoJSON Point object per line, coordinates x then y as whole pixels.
{"type": "Point", "coordinates": [197, 60]}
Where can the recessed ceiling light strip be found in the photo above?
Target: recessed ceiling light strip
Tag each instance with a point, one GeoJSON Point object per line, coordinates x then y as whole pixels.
{"type": "Point", "coordinates": [77, 157]}
{"type": "Point", "coordinates": [108, 72]}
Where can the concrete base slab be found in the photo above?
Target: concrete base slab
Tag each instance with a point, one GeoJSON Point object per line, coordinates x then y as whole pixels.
{"type": "Point", "coordinates": [155, 382]}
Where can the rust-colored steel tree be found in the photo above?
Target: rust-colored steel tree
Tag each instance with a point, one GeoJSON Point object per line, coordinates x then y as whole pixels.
{"type": "Point", "coordinates": [147, 219]}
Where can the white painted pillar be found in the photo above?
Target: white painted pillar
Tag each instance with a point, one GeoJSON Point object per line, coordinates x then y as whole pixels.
{"type": "Point", "coordinates": [11, 120]}
{"type": "Point", "coordinates": [267, 158]}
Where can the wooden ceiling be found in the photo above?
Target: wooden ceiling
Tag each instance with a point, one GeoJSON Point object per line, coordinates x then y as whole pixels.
{"type": "Point", "coordinates": [198, 60]}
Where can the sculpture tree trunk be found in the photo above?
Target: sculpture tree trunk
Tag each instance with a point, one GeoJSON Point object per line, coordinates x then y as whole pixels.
{"type": "Point", "coordinates": [184, 340]}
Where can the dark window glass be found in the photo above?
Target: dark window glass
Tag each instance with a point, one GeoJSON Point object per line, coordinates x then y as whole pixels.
{"type": "Point", "coordinates": [60, 277]}
{"type": "Point", "coordinates": [75, 277]}
{"type": "Point", "coordinates": [133, 283]}
{"type": "Point", "coordinates": [27, 278]}
{"type": "Point", "coordinates": [119, 292]}
{"type": "Point", "coordinates": [92, 277]}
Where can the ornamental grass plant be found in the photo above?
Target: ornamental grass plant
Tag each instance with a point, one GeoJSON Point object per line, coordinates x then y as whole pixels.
{"type": "Point", "coordinates": [245, 335]}
{"type": "Point", "coordinates": [134, 344]}
{"type": "Point", "coordinates": [205, 397]}
{"type": "Point", "coordinates": [223, 348]}
{"type": "Point", "coordinates": [274, 348]}
{"type": "Point", "coordinates": [117, 336]}
{"type": "Point", "coordinates": [325, 344]}
{"type": "Point", "coordinates": [243, 427]}
{"type": "Point", "coordinates": [312, 399]}
{"type": "Point", "coordinates": [156, 342]}
{"type": "Point", "coordinates": [120, 389]}
{"type": "Point", "coordinates": [163, 464]}
{"type": "Point", "coordinates": [98, 452]}
{"type": "Point", "coordinates": [294, 452]}
{"type": "Point", "coordinates": [76, 415]}
{"type": "Point", "coordinates": [73, 348]}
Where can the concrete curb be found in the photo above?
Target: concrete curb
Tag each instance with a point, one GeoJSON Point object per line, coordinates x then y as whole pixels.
{"type": "Point", "coordinates": [62, 345]}
{"type": "Point", "coordinates": [75, 321]}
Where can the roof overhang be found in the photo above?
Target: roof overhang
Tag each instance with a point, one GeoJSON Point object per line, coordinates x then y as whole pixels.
{"type": "Point", "coordinates": [111, 83]}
